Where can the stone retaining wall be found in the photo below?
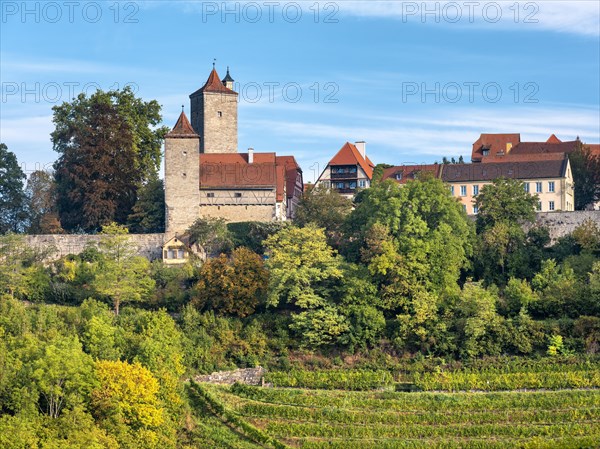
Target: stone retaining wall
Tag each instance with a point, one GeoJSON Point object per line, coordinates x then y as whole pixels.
{"type": "Point", "coordinates": [148, 245]}
{"type": "Point", "coordinates": [248, 376]}
{"type": "Point", "coordinates": [562, 223]}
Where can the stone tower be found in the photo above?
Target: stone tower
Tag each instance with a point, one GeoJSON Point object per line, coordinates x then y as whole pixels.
{"type": "Point", "coordinates": [214, 110]}
{"type": "Point", "coordinates": [182, 176]}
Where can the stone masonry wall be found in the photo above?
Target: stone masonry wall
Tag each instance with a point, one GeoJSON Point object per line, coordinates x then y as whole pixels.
{"type": "Point", "coordinates": [248, 376]}
{"type": "Point", "coordinates": [149, 245]}
{"type": "Point", "coordinates": [182, 181]}
{"type": "Point", "coordinates": [219, 132]}
{"type": "Point", "coordinates": [562, 223]}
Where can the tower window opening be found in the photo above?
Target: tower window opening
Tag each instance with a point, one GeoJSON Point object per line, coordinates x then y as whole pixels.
{"type": "Point", "coordinates": [220, 114]}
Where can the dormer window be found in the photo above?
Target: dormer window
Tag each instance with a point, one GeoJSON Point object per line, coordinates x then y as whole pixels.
{"type": "Point", "coordinates": [486, 152]}
{"type": "Point", "coordinates": [398, 176]}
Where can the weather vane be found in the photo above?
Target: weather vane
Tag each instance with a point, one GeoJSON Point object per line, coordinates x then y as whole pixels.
{"type": "Point", "coordinates": [214, 62]}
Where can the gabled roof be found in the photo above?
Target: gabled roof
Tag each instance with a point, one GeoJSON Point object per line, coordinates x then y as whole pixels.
{"type": "Point", "coordinates": [214, 84]}
{"type": "Point", "coordinates": [494, 143]}
{"type": "Point", "coordinates": [182, 128]}
{"type": "Point", "coordinates": [553, 139]}
{"type": "Point", "coordinates": [407, 173]}
{"type": "Point", "coordinates": [544, 147]}
{"type": "Point", "coordinates": [516, 170]}
{"type": "Point", "coordinates": [349, 155]}
{"type": "Point", "coordinates": [291, 173]}
{"type": "Point", "coordinates": [232, 171]}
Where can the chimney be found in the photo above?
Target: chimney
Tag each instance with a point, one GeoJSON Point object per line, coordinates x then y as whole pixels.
{"type": "Point", "coordinates": [250, 155]}
{"type": "Point", "coordinates": [361, 146]}
{"type": "Point", "coordinates": [508, 147]}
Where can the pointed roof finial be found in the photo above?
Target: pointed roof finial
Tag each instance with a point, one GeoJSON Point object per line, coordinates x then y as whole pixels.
{"type": "Point", "coordinates": [182, 108]}
{"type": "Point", "coordinates": [214, 62]}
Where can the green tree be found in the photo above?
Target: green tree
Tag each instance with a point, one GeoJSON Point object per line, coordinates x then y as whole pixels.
{"type": "Point", "coordinates": [233, 285]}
{"type": "Point", "coordinates": [477, 322]}
{"type": "Point", "coordinates": [504, 201]}
{"type": "Point", "coordinates": [504, 206]}
{"type": "Point", "coordinates": [109, 147]}
{"type": "Point", "coordinates": [412, 237]}
{"type": "Point", "coordinates": [122, 276]}
{"type": "Point", "coordinates": [302, 267]}
{"type": "Point", "coordinates": [13, 201]}
{"type": "Point", "coordinates": [63, 375]}
{"type": "Point", "coordinates": [211, 236]}
{"type": "Point", "coordinates": [586, 176]}
{"type": "Point", "coordinates": [324, 208]}
{"type": "Point", "coordinates": [556, 286]}
{"type": "Point", "coordinates": [148, 214]}
{"type": "Point", "coordinates": [41, 194]}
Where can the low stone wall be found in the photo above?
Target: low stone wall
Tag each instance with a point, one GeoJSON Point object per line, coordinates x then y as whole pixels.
{"type": "Point", "coordinates": [148, 245]}
{"type": "Point", "coordinates": [560, 224]}
{"type": "Point", "coordinates": [248, 376]}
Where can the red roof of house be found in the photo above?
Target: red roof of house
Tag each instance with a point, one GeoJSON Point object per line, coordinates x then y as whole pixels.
{"type": "Point", "coordinates": [524, 157]}
{"type": "Point", "coordinates": [232, 171]}
{"type": "Point", "coordinates": [291, 173]}
{"type": "Point", "coordinates": [409, 172]}
{"type": "Point", "coordinates": [544, 147]}
{"type": "Point", "coordinates": [495, 143]}
{"type": "Point", "coordinates": [594, 148]}
{"type": "Point", "coordinates": [182, 128]}
{"type": "Point", "coordinates": [553, 139]}
{"type": "Point", "coordinates": [214, 84]}
{"type": "Point", "coordinates": [349, 155]}
{"type": "Point", "coordinates": [549, 168]}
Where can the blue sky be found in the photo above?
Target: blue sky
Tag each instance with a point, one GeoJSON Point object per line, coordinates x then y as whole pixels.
{"type": "Point", "coordinates": [417, 81]}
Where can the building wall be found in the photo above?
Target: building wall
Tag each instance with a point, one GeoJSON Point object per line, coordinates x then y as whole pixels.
{"type": "Point", "coordinates": [182, 180]}
{"type": "Point", "coordinates": [237, 213]}
{"type": "Point", "coordinates": [562, 195]}
{"type": "Point", "coordinates": [218, 132]}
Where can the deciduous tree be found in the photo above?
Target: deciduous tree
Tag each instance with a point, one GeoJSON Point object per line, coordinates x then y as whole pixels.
{"type": "Point", "coordinates": [13, 201]}
{"type": "Point", "coordinates": [108, 148]}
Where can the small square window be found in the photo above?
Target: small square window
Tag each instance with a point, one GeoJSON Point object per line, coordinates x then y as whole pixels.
{"type": "Point", "coordinates": [237, 195]}
{"type": "Point", "coordinates": [210, 195]}
{"type": "Point", "coordinates": [219, 114]}
{"type": "Point", "coordinates": [486, 152]}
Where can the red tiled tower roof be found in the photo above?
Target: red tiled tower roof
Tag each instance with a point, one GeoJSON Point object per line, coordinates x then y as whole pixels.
{"type": "Point", "coordinates": [214, 84]}
{"type": "Point", "coordinates": [182, 128]}
{"type": "Point", "coordinates": [553, 139]}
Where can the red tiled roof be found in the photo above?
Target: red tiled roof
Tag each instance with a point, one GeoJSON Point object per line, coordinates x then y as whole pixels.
{"type": "Point", "coordinates": [516, 170]}
{"type": "Point", "coordinates": [182, 128]}
{"type": "Point", "coordinates": [544, 147]}
{"type": "Point", "coordinates": [594, 148]}
{"type": "Point", "coordinates": [232, 170]}
{"type": "Point", "coordinates": [409, 172]}
{"type": "Point", "coordinates": [291, 173]}
{"type": "Point", "coordinates": [214, 84]}
{"type": "Point", "coordinates": [495, 143]}
{"type": "Point", "coordinates": [553, 139]}
{"type": "Point", "coordinates": [349, 155]}
{"type": "Point", "coordinates": [524, 157]}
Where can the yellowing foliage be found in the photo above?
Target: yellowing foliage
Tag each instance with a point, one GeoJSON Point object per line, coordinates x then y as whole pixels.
{"type": "Point", "coordinates": [129, 391]}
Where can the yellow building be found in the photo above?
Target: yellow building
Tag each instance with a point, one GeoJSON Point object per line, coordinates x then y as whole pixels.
{"type": "Point", "coordinates": [551, 179]}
